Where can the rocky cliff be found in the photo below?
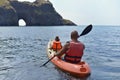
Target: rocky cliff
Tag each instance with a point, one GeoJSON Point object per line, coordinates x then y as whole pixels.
{"type": "Point", "coordinates": [8, 14]}
{"type": "Point", "coordinates": [38, 13]}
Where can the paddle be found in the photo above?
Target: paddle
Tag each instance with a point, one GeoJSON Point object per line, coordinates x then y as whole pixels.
{"type": "Point", "coordinates": [84, 32]}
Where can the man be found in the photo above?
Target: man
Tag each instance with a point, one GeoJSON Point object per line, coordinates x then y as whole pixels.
{"type": "Point", "coordinates": [73, 49]}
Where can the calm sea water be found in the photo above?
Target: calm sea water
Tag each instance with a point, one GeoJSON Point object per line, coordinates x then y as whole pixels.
{"type": "Point", "coordinates": [23, 51]}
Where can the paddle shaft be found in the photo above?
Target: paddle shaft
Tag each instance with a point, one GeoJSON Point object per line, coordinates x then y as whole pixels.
{"type": "Point", "coordinates": [84, 32]}
{"type": "Point", "coordinates": [47, 61]}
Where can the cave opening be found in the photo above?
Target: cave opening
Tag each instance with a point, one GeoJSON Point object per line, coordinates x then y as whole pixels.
{"type": "Point", "coordinates": [21, 22]}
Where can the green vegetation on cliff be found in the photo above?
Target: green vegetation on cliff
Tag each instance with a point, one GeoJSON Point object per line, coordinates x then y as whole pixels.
{"type": "Point", "coordinates": [4, 2]}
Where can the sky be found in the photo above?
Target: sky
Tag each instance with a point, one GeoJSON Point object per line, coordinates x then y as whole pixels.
{"type": "Point", "coordinates": [84, 12]}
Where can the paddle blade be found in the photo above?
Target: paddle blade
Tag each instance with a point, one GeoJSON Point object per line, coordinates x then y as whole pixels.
{"type": "Point", "coordinates": [86, 30]}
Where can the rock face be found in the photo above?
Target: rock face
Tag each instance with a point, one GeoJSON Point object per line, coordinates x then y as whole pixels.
{"type": "Point", "coordinates": [8, 14]}
{"type": "Point", "coordinates": [38, 13]}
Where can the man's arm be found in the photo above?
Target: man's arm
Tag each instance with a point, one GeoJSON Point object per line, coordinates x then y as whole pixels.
{"type": "Point", "coordinates": [63, 50]}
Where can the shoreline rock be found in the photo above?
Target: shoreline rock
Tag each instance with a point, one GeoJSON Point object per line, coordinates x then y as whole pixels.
{"type": "Point", "coordinates": [38, 13]}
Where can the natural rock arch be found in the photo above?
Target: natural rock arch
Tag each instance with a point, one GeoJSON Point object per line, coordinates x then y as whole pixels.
{"type": "Point", "coordinates": [38, 13]}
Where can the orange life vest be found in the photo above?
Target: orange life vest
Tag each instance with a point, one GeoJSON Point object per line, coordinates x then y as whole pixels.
{"type": "Point", "coordinates": [75, 52]}
{"type": "Point", "coordinates": [56, 45]}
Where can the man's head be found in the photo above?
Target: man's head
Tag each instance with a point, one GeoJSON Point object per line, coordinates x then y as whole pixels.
{"type": "Point", "coordinates": [74, 34]}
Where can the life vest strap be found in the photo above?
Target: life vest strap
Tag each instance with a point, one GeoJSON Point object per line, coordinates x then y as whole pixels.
{"type": "Point", "coordinates": [72, 59]}
{"type": "Point", "coordinates": [73, 56]}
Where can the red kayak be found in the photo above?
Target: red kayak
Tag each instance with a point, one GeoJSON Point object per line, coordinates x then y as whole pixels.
{"type": "Point", "coordinates": [81, 69]}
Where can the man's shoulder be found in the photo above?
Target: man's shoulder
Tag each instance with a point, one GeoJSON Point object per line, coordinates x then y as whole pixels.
{"type": "Point", "coordinates": [67, 44]}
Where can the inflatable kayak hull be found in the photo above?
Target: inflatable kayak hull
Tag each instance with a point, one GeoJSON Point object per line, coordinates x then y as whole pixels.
{"type": "Point", "coordinates": [81, 69]}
